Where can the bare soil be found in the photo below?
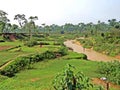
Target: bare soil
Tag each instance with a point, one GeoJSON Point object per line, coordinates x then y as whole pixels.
{"type": "Point", "coordinates": [4, 47]}
{"type": "Point", "coordinates": [91, 54]}
{"type": "Point", "coordinates": [118, 56]}
{"type": "Point", "coordinates": [98, 81]}
{"type": "Point", "coordinates": [12, 37]}
{"type": "Point", "coordinates": [34, 79]}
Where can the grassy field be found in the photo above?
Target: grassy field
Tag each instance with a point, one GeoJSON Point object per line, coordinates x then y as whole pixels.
{"type": "Point", "coordinates": [13, 53]}
{"type": "Point", "coordinates": [40, 78]}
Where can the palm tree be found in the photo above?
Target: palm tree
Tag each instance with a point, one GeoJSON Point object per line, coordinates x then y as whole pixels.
{"type": "Point", "coordinates": [32, 24]}
{"type": "Point", "coordinates": [43, 26]}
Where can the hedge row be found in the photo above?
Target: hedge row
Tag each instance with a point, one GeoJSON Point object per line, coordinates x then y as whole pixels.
{"type": "Point", "coordinates": [24, 62]}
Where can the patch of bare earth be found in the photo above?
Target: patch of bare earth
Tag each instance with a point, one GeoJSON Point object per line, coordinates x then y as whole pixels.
{"type": "Point", "coordinates": [98, 81]}
{"type": "Point", "coordinates": [34, 79]}
{"type": "Point", "coordinates": [91, 54]}
{"type": "Point", "coordinates": [4, 47]}
{"type": "Point", "coordinates": [118, 56]}
{"type": "Point", "coordinates": [12, 37]}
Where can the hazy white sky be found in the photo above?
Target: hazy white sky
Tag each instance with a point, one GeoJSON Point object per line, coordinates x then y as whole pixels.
{"type": "Point", "coordinates": [63, 11]}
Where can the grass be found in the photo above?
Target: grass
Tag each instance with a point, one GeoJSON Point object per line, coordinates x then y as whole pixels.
{"type": "Point", "coordinates": [13, 53]}
{"type": "Point", "coordinates": [6, 56]}
{"type": "Point", "coordinates": [40, 78]}
{"type": "Point", "coordinates": [15, 43]}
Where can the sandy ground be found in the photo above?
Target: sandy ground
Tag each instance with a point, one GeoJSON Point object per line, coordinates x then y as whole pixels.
{"type": "Point", "coordinates": [91, 54]}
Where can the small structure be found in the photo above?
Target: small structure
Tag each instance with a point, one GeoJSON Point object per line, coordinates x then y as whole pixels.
{"type": "Point", "coordinates": [107, 83]}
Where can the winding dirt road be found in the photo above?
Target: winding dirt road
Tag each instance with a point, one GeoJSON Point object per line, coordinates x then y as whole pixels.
{"type": "Point", "coordinates": [91, 54]}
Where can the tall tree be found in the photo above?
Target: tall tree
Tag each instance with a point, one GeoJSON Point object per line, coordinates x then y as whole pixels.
{"type": "Point", "coordinates": [21, 19]}
{"type": "Point", "coordinates": [32, 24]}
{"type": "Point", "coordinates": [3, 20]}
{"type": "Point", "coordinates": [14, 27]}
{"type": "Point", "coordinates": [112, 22]}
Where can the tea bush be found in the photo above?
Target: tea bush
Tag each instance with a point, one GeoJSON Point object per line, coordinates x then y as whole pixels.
{"type": "Point", "coordinates": [43, 43]}
{"type": "Point", "coordinates": [69, 80]}
{"type": "Point", "coordinates": [31, 43]}
{"type": "Point", "coordinates": [110, 70]}
{"type": "Point", "coordinates": [63, 51]}
{"type": "Point", "coordinates": [24, 62]}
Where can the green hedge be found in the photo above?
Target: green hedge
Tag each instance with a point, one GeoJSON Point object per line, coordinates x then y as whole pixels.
{"type": "Point", "coordinates": [74, 55]}
{"type": "Point", "coordinates": [24, 62]}
{"type": "Point", "coordinates": [31, 43]}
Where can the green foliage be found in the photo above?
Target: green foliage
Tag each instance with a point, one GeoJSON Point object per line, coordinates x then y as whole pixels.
{"type": "Point", "coordinates": [31, 43]}
{"type": "Point", "coordinates": [24, 62]}
{"type": "Point", "coordinates": [86, 43]}
{"type": "Point", "coordinates": [57, 43]}
{"type": "Point", "coordinates": [2, 26]}
{"type": "Point", "coordinates": [68, 80]}
{"type": "Point", "coordinates": [74, 55]}
{"type": "Point", "coordinates": [17, 65]}
{"type": "Point", "coordinates": [109, 46]}
{"type": "Point", "coordinates": [43, 74]}
{"type": "Point", "coordinates": [48, 55]}
{"type": "Point", "coordinates": [44, 43]}
{"type": "Point", "coordinates": [63, 51]}
{"type": "Point", "coordinates": [111, 70]}
{"type": "Point", "coordinates": [83, 56]}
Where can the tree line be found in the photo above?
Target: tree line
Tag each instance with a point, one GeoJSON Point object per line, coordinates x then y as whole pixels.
{"type": "Point", "coordinates": [112, 27]}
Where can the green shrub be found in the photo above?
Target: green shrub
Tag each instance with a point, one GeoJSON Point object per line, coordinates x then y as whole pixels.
{"type": "Point", "coordinates": [48, 55]}
{"type": "Point", "coordinates": [19, 64]}
{"type": "Point", "coordinates": [69, 80]}
{"type": "Point", "coordinates": [24, 62]}
{"type": "Point", "coordinates": [74, 55]}
{"type": "Point", "coordinates": [63, 51]}
{"type": "Point", "coordinates": [31, 43]}
{"type": "Point", "coordinates": [110, 70]}
{"type": "Point", "coordinates": [57, 43]}
{"type": "Point", "coordinates": [83, 56]}
{"type": "Point", "coordinates": [43, 43]}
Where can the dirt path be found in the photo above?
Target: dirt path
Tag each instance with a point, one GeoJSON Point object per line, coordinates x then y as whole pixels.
{"type": "Point", "coordinates": [4, 65]}
{"type": "Point", "coordinates": [92, 55]}
{"type": "Point", "coordinates": [4, 47]}
{"type": "Point", "coordinates": [10, 61]}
